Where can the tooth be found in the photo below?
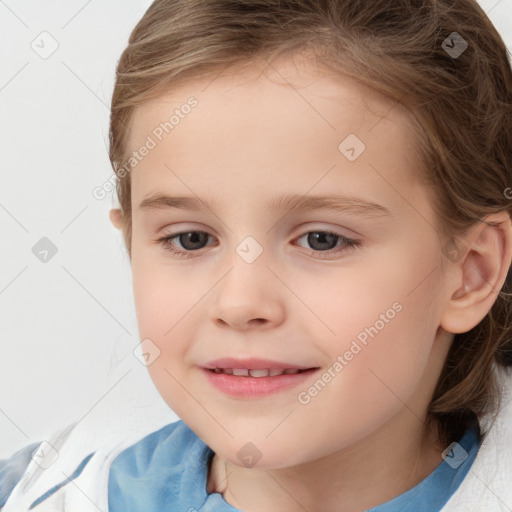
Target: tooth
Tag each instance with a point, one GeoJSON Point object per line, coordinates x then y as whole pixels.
{"type": "Point", "coordinates": [244, 372]}
{"type": "Point", "coordinates": [258, 373]}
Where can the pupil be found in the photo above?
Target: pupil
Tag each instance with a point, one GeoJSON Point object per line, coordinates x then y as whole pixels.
{"type": "Point", "coordinates": [317, 241]}
{"type": "Point", "coordinates": [193, 240]}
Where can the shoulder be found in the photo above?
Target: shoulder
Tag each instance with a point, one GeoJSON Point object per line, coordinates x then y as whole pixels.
{"type": "Point", "coordinates": [165, 451]}
{"type": "Point", "coordinates": [77, 456]}
{"type": "Point", "coordinates": [166, 466]}
{"type": "Point", "coordinates": [36, 468]}
{"type": "Point", "coordinates": [12, 470]}
{"type": "Point", "coordinates": [487, 485]}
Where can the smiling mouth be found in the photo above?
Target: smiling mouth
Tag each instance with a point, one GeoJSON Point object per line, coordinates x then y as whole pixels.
{"type": "Point", "coordinates": [244, 372]}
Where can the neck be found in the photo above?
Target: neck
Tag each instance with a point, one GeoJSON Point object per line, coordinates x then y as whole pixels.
{"type": "Point", "coordinates": [374, 470]}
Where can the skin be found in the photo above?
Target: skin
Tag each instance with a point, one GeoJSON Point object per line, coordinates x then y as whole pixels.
{"type": "Point", "coordinates": [255, 135]}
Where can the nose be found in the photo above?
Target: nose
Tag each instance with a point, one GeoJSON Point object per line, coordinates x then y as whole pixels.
{"type": "Point", "coordinates": [249, 296]}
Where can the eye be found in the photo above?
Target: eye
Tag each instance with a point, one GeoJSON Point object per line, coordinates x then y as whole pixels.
{"type": "Point", "coordinates": [327, 242]}
{"type": "Point", "coordinates": [320, 241]}
{"type": "Point", "coordinates": [190, 240]}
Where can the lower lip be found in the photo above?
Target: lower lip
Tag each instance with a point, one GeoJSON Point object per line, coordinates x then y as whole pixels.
{"type": "Point", "coordinates": [255, 387]}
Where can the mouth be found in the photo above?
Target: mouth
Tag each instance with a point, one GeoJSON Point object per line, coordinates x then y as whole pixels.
{"type": "Point", "coordinates": [257, 383]}
{"type": "Point", "coordinates": [258, 373]}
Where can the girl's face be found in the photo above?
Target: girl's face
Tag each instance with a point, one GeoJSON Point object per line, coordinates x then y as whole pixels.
{"type": "Point", "coordinates": [256, 278]}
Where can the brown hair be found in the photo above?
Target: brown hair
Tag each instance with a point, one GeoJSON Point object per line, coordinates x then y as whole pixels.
{"type": "Point", "coordinates": [461, 106]}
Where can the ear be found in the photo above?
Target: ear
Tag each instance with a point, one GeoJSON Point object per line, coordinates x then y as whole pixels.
{"type": "Point", "coordinates": [478, 275]}
{"type": "Point", "coordinates": [116, 217]}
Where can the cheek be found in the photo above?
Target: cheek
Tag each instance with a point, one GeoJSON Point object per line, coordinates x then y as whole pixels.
{"type": "Point", "coordinates": [385, 330]}
{"type": "Point", "coordinates": [166, 306]}
{"type": "Point", "coordinates": [369, 380]}
{"type": "Point", "coordinates": [165, 302]}
{"type": "Point", "coordinates": [163, 291]}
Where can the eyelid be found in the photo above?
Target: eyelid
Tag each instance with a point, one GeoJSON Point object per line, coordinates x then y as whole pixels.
{"type": "Point", "coordinates": [300, 230]}
{"type": "Point", "coordinates": [326, 228]}
{"type": "Point", "coordinates": [349, 243]}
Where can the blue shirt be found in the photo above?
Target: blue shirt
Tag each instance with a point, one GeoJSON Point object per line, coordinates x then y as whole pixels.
{"type": "Point", "coordinates": [170, 467]}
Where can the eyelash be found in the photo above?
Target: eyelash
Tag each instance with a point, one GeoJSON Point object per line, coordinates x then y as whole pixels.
{"type": "Point", "coordinates": [350, 243]}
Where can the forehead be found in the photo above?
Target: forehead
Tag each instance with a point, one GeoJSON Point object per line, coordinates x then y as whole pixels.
{"type": "Point", "coordinates": [273, 119]}
{"type": "Point", "coordinates": [294, 82]}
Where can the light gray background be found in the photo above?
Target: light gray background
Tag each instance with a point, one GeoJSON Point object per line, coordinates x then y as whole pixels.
{"type": "Point", "coordinates": [68, 326]}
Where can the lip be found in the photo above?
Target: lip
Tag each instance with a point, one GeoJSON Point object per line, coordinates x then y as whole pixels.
{"type": "Point", "coordinates": [255, 387]}
{"type": "Point", "coordinates": [253, 364]}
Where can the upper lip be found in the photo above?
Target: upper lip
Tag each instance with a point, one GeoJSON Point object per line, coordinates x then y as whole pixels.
{"type": "Point", "coordinates": [252, 364]}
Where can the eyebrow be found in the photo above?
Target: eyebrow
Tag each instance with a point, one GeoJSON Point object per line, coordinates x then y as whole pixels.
{"type": "Point", "coordinates": [292, 202]}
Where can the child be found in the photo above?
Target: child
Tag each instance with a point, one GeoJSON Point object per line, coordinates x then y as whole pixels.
{"type": "Point", "coordinates": [335, 334]}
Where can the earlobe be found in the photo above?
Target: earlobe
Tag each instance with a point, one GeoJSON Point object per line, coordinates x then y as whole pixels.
{"type": "Point", "coordinates": [481, 273]}
{"type": "Point", "coordinates": [116, 218]}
